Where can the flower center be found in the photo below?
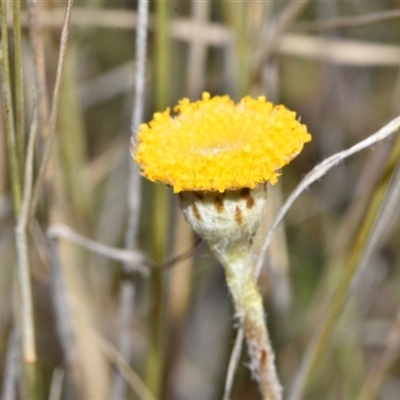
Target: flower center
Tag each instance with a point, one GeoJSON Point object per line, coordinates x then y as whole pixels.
{"type": "Point", "coordinates": [217, 147]}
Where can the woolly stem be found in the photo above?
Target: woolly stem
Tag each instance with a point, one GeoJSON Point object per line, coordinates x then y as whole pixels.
{"type": "Point", "coordinates": [228, 222]}
{"type": "Point", "coordinates": [239, 271]}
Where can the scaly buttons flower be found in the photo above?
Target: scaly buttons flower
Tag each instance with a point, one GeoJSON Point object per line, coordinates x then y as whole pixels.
{"type": "Point", "coordinates": [214, 144]}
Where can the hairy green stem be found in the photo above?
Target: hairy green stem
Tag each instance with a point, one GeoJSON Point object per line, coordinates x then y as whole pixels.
{"type": "Point", "coordinates": [239, 271]}
{"type": "Point", "coordinates": [228, 222]}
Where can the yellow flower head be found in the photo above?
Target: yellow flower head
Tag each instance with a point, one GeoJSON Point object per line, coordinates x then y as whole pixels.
{"type": "Point", "coordinates": [214, 144]}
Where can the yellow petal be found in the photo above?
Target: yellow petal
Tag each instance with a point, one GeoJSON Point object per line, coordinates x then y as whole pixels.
{"type": "Point", "coordinates": [214, 144]}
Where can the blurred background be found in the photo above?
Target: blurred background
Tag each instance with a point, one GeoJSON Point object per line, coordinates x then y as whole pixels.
{"type": "Point", "coordinates": [162, 325]}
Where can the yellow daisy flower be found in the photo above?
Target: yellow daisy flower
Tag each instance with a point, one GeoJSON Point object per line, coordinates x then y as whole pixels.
{"type": "Point", "coordinates": [214, 144]}
{"type": "Point", "coordinates": [217, 153]}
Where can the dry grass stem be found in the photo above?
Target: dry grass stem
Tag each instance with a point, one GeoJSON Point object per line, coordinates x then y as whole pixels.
{"type": "Point", "coordinates": [233, 363]}
{"type": "Point", "coordinates": [381, 229]}
{"type": "Point", "coordinates": [140, 67]}
{"type": "Point", "coordinates": [19, 84]}
{"type": "Point", "coordinates": [215, 34]}
{"type": "Point", "coordinates": [345, 22]}
{"type": "Point", "coordinates": [12, 146]}
{"type": "Point", "coordinates": [52, 121]}
{"type": "Point", "coordinates": [338, 51]}
{"type": "Point", "coordinates": [118, 359]}
{"type": "Point", "coordinates": [36, 34]}
{"type": "Point", "coordinates": [128, 290]}
{"type": "Point", "coordinates": [28, 330]}
{"type": "Point", "coordinates": [319, 171]}
{"type": "Point", "coordinates": [24, 275]}
{"type": "Point", "coordinates": [23, 219]}
{"type": "Point", "coordinates": [26, 312]}
{"type": "Point", "coordinates": [134, 259]}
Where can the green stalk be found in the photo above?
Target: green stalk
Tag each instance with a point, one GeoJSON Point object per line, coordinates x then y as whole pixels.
{"type": "Point", "coordinates": [155, 361]}
{"type": "Point", "coordinates": [12, 148]}
{"type": "Point", "coordinates": [19, 88]}
{"type": "Point", "coordinates": [321, 340]}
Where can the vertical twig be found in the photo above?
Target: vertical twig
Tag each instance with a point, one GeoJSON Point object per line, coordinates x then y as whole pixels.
{"type": "Point", "coordinates": [24, 279]}
{"type": "Point", "coordinates": [155, 358]}
{"type": "Point", "coordinates": [19, 85]}
{"type": "Point", "coordinates": [12, 147]}
{"type": "Point", "coordinates": [54, 108]}
{"type": "Point", "coordinates": [127, 295]}
{"type": "Point", "coordinates": [41, 99]}
{"type": "Point", "coordinates": [233, 363]}
{"type": "Point", "coordinates": [140, 78]}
